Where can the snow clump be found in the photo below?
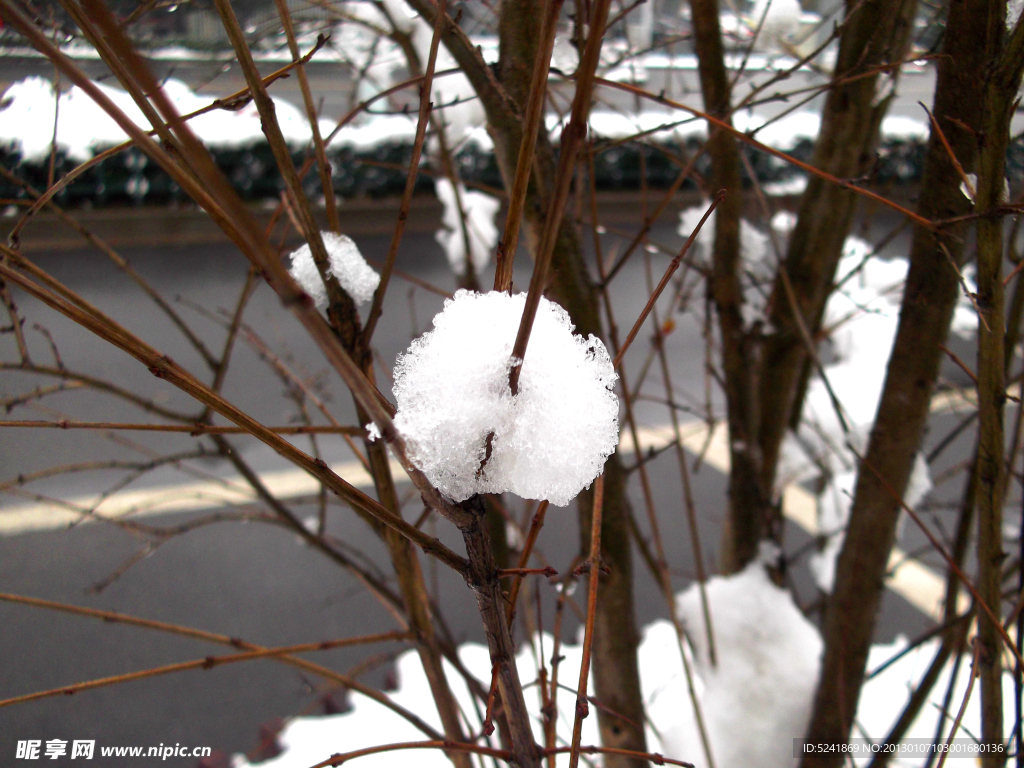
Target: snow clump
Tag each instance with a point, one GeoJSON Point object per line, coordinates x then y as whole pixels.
{"type": "Point", "coordinates": [357, 277]}
{"type": "Point", "coordinates": [768, 659]}
{"type": "Point", "coordinates": [480, 210]}
{"type": "Point", "coordinates": [756, 250]}
{"type": "Point", "coordinates": [549, 441]}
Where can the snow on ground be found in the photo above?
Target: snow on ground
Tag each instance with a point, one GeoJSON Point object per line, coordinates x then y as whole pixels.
{"type": "Point", "coordinates": [757, 697]}
{"type": "Point", "coordinates": [548, 442]}
{"type": "Point", "coordinates": [357, 277]}
{"type": "Point", "coordinates": [754, 702]}
{"type": "Point", "coordinates": [480, 210]}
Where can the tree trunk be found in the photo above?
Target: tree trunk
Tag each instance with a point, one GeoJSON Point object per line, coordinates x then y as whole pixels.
{"type": "Point", "coordinates": [875, 33]}
{"type": "Point", "coordinates": [749, 504]}
{"type": "Point", "coordinates": [929, 299]}
{"type": "Point", "coordinates": [1004, 75]}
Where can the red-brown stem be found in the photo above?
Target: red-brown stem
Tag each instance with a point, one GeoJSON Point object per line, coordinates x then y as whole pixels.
{"type": "Point", "coordinates": [191, 429]}
{"type": "Point", "coordinates": [524, 558]}
{"type": "Point", "coordinates": [963, 704]}
{"type": "Point", "coordinates": [741, 136]}
{"type": "Point", "coordinates": [937, 545]}
{"type": "Point", "coordinates": [547, 571]}
{"type": "Point", "coordinates": [165, 368]}
{"type": "Point", "coordinates": [492, 694]}
{"type": "Point", "coordinates": [314, 120]}
{"type": "Point", "coordinates": [684, 472]}
{"type": "Point", "coordinates": [426, 89]}
{"type": "Point", "coordinates": [206, 663]}
{"type": "Point", "coordinates": [672, 267]}
{"type": "Point", "coordinates": [532, 118]}
{"type": "Point", "coordinates": [594, 562]}
{"type": "Point", "coordinates": [684, 174]}
{"type": "Point", "coordinates": [501, 754]}
{"type": "Point", "coordinates": [572, 137]}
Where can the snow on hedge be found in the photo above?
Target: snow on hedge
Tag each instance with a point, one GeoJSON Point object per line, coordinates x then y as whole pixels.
{"type": "Point", "coordinates": [549, 441]}
{"type": "Point", "coordinates": [357, 277]}
{"type": "Point", "coordinates": [26, 122]}
{"type": "Point", "coordinates": [480, 210]}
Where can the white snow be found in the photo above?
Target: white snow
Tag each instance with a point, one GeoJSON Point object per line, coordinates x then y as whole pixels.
{"type": "Point", "coordinates": [347, 264]}
{"type": "Point", "coordinates": [755, 701]}
{"type": "Point", "coordinates": [83, 127]}
{"type": "Point", "coordinates": [564, 55]}
{"type": "Point", "coordinates": [549, 441]}
{"type": "Point", "coordinates": [780, 24]}
{"type": "Point", "coordinates": [1013, 9]}
{"type": "Point", "coordinates": [898, 127]}
{"type": "Point", "coordinates": [758, 696]}
{"type": "Point", "coordinates": [480, 210]}
{"type": "Point", "coordinates": [756, 250]}
{"type": "Point", "coordinates": [861, 318]}
{"type": "Point", "coordinates": [794, 185]}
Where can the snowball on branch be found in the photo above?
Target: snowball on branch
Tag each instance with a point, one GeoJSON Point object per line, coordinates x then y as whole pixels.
{"type": "Point", "coordinates": [549, 441]}
{"type": "Point", "coordinates": [357, 277]}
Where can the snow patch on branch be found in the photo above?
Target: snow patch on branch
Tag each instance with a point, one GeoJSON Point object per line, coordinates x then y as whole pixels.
{"type": "Point", "coordinates": [466, 431]}
{"type": "Point", "coordinates": [1013, 9]}
{"type": "Point", "coordinates": [756, 250]}
{"type": "Point", "coordinates": [357, 277]}
{"type": "Point", "coordinates": [480, 210]}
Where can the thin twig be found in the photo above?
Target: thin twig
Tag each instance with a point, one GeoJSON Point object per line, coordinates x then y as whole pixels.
{"type": "Point", "coordinates": [594, 563]}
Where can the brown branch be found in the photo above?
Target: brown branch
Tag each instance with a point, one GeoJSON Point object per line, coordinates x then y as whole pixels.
{"type": "Point", "coordinates": [376, 308]}
{"type": "Point", "coordinates": [319, 148]}
{"type": "Point", "coordinates": [483, 579]}
{"type": "Point", "coordinates": [572, 138]}
{"type": "Point", "coordinates": [100, 385]}
{"type": "Point", "coordinates": [531, 539]}
{"type": "Point", "coordinates": [193, 429]}
{"type": "Point", "coordinates": [165, 368]}
{"type": "Point", "coordinates": [501, 754]}
{"type": "Point", "coordinates": [532, 118]}
{"type": "Point", "coordinates": [198, 634]}
{"type": "Point", "coordinates": [594, 564]}
{"type": "Point", "coordinates": [206, 663]}
{"type": "Point", "coordinates": [669, 271]}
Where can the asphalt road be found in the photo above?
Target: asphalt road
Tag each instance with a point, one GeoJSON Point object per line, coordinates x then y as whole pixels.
{"type": "Point", "coordinates": [256, 581]}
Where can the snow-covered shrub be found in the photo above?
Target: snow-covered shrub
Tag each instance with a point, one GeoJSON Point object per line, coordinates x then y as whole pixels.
{"type": "Point", "coordinates": [547, 442]}
{"type": "Point", "coordinates": [357, 277]}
